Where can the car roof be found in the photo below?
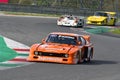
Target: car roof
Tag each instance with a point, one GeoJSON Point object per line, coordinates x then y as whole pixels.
{"type": "Point", "coordinates": [64, 33]}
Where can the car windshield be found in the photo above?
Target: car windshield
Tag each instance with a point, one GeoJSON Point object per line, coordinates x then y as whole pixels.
{"type": "Point", "coordinates": [101, 14]}
{"type": "Point", "coordinates": [62, 39]}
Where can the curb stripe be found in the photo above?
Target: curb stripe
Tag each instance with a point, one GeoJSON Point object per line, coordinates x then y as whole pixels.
{"type": "Point", "coordinates": [22, 57]}
{"type": "Point", "coordinates": [14, 44]}
{"type": "Point", "coordinates": [10, 65]}
{"type": "Point", "coordinates": [19, 59]}
{"type": "Point", "coordinates": [21, 49]}
{"type": "Point", "coordinates": [19, 54]}
{"type": "Point", "coordinates": [14, 62]}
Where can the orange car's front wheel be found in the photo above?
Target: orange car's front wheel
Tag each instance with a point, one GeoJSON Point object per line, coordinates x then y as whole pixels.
{"type": "Point", "coordinates": [90, 55]}
{"type": "Point", "coordinates": [77, 58]}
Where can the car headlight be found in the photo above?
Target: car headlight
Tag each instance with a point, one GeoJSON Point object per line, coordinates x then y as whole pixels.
{"type": "Point", "coordinates": [66, 55]}
{"type": "Point", "coordinates": [36, 53]}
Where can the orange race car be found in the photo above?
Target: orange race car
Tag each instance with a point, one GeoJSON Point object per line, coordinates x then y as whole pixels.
{"type": "Point", "coordinates": [59, 47]}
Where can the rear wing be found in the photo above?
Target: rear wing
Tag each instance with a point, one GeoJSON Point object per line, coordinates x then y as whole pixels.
{"type": "Point", "coordinates": [113, 14]}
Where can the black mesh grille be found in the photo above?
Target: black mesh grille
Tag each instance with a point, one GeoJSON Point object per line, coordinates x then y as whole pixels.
{"type": "Point", "coordinates": [52, 54]}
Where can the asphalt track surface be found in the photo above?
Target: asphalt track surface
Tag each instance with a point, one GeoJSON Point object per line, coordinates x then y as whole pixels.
{"type": "Point", "coordinates": [104, 66]}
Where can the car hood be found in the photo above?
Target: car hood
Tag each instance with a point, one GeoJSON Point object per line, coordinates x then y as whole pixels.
{"type": "Point", "coordinates": [56, 48]}
{"type": "Point", "coordinates": [96, 18]}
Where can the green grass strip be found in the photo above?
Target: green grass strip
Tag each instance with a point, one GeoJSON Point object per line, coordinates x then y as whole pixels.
{"type": "Point", "coordinates": [98, 30]}
{"type": "Point", "coordinates": [2, 42]}
{"type": "Point", "coordinates": [116, 31]}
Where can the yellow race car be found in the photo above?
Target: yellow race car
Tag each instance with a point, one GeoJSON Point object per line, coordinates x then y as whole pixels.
{"type": "Point", "coordinates": [102, 18]}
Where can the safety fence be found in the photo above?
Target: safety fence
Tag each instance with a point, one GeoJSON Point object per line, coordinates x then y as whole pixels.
{"type": "Point", "coordinates": [81, 7]}
{"type": "Point", "coordinates": [44, 9]}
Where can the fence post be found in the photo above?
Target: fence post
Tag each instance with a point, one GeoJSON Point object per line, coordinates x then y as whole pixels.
{"type": "Point", "coordinates": [101, 4]}
{"type": "Point", "coordinates": [116, 7]}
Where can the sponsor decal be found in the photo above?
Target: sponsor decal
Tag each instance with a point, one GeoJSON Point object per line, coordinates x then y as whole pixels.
{"type": "Point", "coordinates": [50, 59]}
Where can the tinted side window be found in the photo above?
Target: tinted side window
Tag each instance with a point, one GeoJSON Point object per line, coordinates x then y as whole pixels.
{"type": "Point", "coordinates": [82, 40]}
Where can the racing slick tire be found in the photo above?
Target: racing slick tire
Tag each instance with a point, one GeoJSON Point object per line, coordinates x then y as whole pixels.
{"type": "Point", "coordinates": [77, 58]}
{"type": "Point", "coordinates": [80, 26]}
{"type": "Point", "coordinates": [90, 55]}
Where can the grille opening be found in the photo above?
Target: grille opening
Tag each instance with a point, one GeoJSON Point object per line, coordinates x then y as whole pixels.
{"type": "Point", "coordinates": [52, 54]}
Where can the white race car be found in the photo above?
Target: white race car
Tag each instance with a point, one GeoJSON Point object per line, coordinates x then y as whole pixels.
{"type": "Point", "coordinates": [69, 20]}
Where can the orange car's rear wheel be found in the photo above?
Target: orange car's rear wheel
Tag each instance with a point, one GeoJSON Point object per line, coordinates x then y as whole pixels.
{"type": "Point", "coordinates": [88, 59]}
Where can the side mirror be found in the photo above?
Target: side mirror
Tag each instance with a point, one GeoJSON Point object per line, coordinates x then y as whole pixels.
{"type": "Point", "coordinates": [79, 43]}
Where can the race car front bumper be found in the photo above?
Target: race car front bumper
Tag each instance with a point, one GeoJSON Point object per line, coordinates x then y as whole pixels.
{"type": "Point", "coordinates": [66, 24]}
{"type": "Point", "coordinates": [94, 22]}
{"type": "Point", "coordinates": [35, 58]}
